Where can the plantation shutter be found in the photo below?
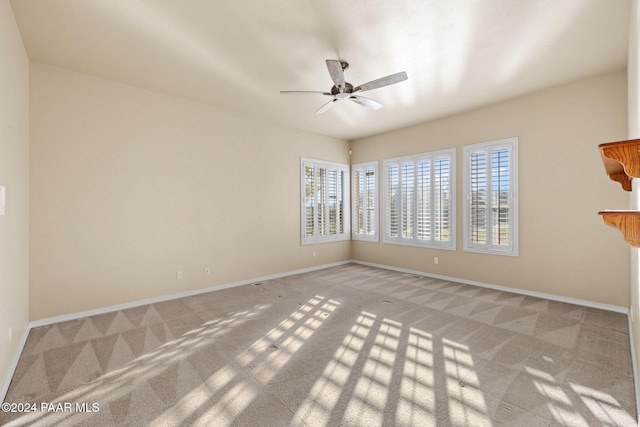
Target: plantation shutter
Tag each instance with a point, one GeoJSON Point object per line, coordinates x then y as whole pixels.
{"type": "Point", "coordinates": [442, 199]}
{"type": "Point", "coordinates": [310, 206]}
{"type": "Point", "coordinates": [419, 200]}
{"type": "Point", "coordinates": [358, 199]}
{"type": "Point", "coordinates": [500, 197]}
{"type": "Point", "coordinates": [407, 181]}
{"type": "Point", "coordinates": [490, 190]}
{"type": "Point", "coordinates": [364, 193]}
{"type": "Point", "coordinates": [423, 194]}
{"type": "Point", "coordinates": [323, 213]}
{"type": "Point", "coordinates": [371, 199]}
{"type": "Point", "coordinates": [393, 201]}
{"type": "Point", "coordinates": [478, 187]}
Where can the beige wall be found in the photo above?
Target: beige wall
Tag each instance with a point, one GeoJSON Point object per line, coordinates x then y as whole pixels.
{"type": "Point", "coordinates": [565, 248]}
{"type": "Point", "coordinates": [14, 175]}
{"type": "Point", "coordinates": [130, 186]}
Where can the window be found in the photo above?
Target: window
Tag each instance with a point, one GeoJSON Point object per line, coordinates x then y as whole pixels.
{"type": "Point", "coordinates": [419, 200]}
{"type": "Point", "coordinates": [491, 202]}
{"type": "Point", "coordinates": [325, 196]}
{"type": "Point", "coordinates": [364, 191]}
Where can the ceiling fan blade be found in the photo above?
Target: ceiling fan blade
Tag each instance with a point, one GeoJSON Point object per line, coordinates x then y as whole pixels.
{"type": "Point", "coordinates": [369, 103]}
{"type": "Point", "coordinates": [382, 81]}
{"type": "Point", "coordinates": [337, 73]}
{"type": "Point", "coordinates": [304, 92]}
{"type": "Point", "coordinates": [326, 106]}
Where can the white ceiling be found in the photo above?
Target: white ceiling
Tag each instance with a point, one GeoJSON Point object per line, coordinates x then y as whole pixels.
{"type": "Point", "coordinates": [238, 55]}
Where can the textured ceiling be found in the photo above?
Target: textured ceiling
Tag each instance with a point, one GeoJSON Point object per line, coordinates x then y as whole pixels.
{"type": "Point", "coordinates": [238, 55]}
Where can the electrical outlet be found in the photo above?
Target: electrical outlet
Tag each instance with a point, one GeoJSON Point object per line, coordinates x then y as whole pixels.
{"type": "Point", "coordinates": [179, 275]}
{"type": "Point", "coordinates": [436, 260]}
{"type": "Point", "coordinates": [207, 271]}
{"type": "Point", "coordinates": [314, 254]}
{"type": "Point", "coordinates": [10, 333]}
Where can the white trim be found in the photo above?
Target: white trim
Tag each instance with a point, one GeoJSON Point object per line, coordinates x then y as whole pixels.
{"type": "Point", "coordinates": [417, 245]}
{"type": "Point", "coordinates": [569, 300]}
{"type": "Point", "coordinates": [96, 311]}
{"type": "Point", "coordinates": [14, 363]}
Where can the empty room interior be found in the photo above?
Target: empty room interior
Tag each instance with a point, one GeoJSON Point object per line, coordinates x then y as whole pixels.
{"type": "Point", "coordinates": [305, 213]}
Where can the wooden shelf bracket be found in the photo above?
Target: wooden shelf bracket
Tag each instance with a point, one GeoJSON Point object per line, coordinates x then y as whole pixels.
{"type": "Point", "coordinates": [622, 161]}
{"type": "Point", "coordinates": [628, 222]}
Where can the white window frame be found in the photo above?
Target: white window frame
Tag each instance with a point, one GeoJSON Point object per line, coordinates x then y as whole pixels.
{"type": "Point", "coordinates": [414, 241]}
{"type": "Point", "coordinates": [365, 168]}
{"type": "Point", "coordinates": [511, 145]}
{"type": "Point", "coordinates": [346, 205]}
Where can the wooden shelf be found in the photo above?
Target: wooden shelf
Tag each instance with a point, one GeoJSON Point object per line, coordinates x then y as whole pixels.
{"type": "Point", "coordinates": [628, 222]}
{"type": "Point", "coordinates": [622, 161]}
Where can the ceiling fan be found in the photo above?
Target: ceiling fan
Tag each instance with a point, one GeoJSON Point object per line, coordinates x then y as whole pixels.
{"type": "Point", "coordinates": [342, 89]}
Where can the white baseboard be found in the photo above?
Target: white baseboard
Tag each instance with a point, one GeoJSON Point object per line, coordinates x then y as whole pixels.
{"type": "Point", "coordinates": [14, 363]}
{"type": "Point", "coordinates": [576, 301]}
{"type": "Point", "coordinates": [118, 307]}
{"type": "Point", "coordinates": [87, 313]}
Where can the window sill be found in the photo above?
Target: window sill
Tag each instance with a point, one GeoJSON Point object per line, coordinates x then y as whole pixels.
{"type": "Point", "coordinates": [420, 245]}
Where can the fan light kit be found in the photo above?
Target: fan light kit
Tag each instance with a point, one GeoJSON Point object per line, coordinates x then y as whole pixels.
{"type": "Point", "coordinates": [342, 89]}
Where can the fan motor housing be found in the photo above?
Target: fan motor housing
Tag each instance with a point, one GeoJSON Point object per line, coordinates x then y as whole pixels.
{"type": "Point", "coordinates": [348, 88]}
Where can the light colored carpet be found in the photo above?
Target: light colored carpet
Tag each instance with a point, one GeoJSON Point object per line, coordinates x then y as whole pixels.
{"type": "Point", "coordinates": [345, 346]}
